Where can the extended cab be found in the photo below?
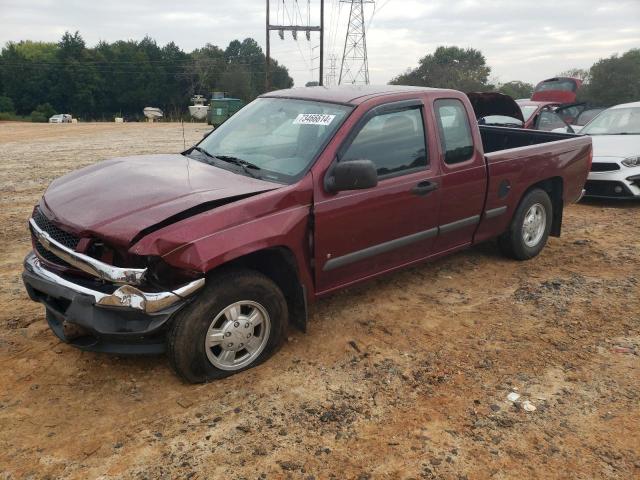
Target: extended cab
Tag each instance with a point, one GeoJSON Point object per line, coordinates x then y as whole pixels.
{"type": "Point", "coordinates": [209, 254]}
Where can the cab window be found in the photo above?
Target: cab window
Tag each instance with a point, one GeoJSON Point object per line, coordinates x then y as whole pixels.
{"type": "Point", "coordinates": [454, 130]}
{"type": "Point", "coordinates": [394, 142]}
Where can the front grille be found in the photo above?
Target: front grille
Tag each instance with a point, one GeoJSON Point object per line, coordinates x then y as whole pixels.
{"type": "Point", "coordinates": [600, 188]}
{"type": "Point", "coordinates": [47, 255]}
{"type": "Point", "coordinates": [60, 236]}
{"type": "Point", "coordinates": [604, 167]}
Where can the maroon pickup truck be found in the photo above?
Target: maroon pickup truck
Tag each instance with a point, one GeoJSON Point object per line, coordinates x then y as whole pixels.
{"type": "Point", "coordinates": [210, 254]}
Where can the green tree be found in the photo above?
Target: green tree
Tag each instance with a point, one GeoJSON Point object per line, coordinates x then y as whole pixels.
{"type": "Point", "coordinates": [579, 73]}
{"type": "Point", "coordinates": [614, 80]}
{"type": "Point", "coordinates": [449, 67]}
{"type": "Point", "coordinates": [76, 79]}
{"type": "Point", "coordinates": [27, 73]}
{"type": "Point", "coordinates": [42, 113]}
{"type": "Point", "coordinates": [516, 89]}
{"type": "Point", "coordinates": [6, 105]}
{"type": "Point", "coordinates": [207, 66]}
{"type": "Point", "coordinates": [123, 77]}
{"type": "Point", "coordinates": [236, 82]}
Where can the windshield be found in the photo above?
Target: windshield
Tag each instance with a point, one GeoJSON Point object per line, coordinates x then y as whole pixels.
{"type": "Point", "coordinates": [565, 85]}
{"type": "Point", "coordinates": [527, 111]}
{"type": "Point", "coordinates": [278, 137]}
{"type": "Point", "coordinates": [587, 115]}
{"type": "Point", "coordinates": [615, 121]}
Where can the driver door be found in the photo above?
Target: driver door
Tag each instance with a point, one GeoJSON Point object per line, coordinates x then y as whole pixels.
{"type": "Point", "coordinates": [361, 233]}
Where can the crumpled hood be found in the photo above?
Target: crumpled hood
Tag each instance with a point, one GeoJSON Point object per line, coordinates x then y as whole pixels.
{"type": "Point", "coordinates": [116, 199]}
{"type": "Point", "coordinates": [621, 146]}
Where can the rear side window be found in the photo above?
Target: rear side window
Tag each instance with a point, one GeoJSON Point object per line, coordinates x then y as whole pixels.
{"type": "Point", "coordinates": [393, 141]}
{"type": "Point", "coordinates": [454, 129]}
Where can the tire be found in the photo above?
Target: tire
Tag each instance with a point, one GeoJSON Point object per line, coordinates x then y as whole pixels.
{"type": "Point", "coordinates": [227, 308]}
{"type": "Point", "coordinates": [525, 238]}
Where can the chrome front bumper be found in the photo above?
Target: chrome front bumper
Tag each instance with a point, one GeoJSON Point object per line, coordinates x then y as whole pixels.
{"type": "Point", "coordinates": [125, 296]}
{"type": "Point", "coordinates": [104, 271]}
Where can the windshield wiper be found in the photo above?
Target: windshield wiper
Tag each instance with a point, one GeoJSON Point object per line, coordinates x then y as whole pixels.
{"type": "Point", "coordinates": [242, 163]}
{"type": "Point", "coordinates": [202, 150]}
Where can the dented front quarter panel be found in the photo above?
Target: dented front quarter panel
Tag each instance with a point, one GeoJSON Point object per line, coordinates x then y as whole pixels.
{"type": "Point", "coordinates": [278, 218]}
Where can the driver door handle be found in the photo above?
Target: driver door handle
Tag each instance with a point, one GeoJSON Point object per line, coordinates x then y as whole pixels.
{"type": "Point", "coordinates": [424, 188]}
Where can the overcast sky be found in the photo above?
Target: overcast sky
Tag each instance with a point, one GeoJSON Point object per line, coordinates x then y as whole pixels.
{"type": "Point", "coordinates": [521, 39]}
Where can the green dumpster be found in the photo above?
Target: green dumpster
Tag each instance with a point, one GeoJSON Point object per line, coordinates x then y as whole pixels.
{"type": "Point", "coordinates": [222, 108]}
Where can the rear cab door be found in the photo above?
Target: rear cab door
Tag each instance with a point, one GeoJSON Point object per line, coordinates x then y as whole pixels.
{"type": "Point", "coordinates": [361, 233]}
{"type": "Point", "coordinates": [464, 174]}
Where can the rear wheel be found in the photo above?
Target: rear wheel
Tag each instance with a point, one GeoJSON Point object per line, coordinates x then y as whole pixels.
{"type": "Point", "coordinates": [237, 322]}
{"type": "Point", "coordinates": [530, 227]}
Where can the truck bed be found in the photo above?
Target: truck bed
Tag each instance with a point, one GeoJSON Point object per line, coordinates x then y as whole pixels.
{"type": "Point", "coordinates": [495, 139]}
{"type": "Point", "coordinates": [517, 159]}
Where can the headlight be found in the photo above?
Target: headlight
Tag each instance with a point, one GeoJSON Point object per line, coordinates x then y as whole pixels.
{"type": "Point", "coordinates": [631, 162]}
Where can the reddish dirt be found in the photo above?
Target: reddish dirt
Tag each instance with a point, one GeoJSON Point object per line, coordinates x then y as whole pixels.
{"type": "Point", "coordinates": [405, 377]}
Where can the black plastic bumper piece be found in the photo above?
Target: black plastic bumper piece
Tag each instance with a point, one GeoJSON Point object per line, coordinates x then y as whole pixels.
{"type": "Point", "coordinates": [607, 189]}
{"type": "Point", "coordinates": [111, 330]}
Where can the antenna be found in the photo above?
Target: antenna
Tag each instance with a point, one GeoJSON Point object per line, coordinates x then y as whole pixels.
{"type": "Point", "coordinates": [355, 66]}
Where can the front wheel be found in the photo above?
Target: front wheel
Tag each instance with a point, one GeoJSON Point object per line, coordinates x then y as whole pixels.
{"type": "Point", "coordinates": [530, 227]}
{"type": "Point", "coordinates": [237, 322]}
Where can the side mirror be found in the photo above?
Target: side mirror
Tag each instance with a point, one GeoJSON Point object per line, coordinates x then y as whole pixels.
{"type": "Point", "coordinates": [206, 134]}
{"type": "Point", "coordinates": [352, 175]}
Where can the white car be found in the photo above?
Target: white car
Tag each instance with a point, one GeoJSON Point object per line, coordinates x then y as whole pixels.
{"type": "Point", "coordinates": [615, 172]}
{"type": "Point", "coordinates": [60, 118]}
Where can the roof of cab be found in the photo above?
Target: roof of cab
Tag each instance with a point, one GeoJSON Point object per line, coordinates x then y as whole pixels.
{"type": "Point", "coordinates": [345, 94]}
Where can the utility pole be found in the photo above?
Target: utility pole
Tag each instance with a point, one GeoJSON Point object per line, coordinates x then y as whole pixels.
{"type": "Point", "coordinates": [267, 63]}
{"type": "Point", "coordinates": [294, 29]}
{"type": "Point", "coordinates": [355, 66]}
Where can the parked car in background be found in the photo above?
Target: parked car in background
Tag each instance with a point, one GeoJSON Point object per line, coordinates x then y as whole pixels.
{"type": "Point", "coordinates": [615, 171]}
{"type": "Point", "coordinates": [209, 254]}
{"type": "Point", "coordinates": [585, 117]}
{"type": "Point", "coordinates": [542, 116]}
{"type": "Point", "coordinates": [557, 89]}
{"type": "Point", "coordinates": [60, 118]}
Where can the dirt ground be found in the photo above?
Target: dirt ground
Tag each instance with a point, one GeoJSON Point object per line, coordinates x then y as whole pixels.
{"type": "Point", "coordinates": [405, 377]}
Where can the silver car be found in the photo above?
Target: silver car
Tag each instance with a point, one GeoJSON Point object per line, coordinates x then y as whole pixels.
{"type": "Point", "coordinates": [60, 118]}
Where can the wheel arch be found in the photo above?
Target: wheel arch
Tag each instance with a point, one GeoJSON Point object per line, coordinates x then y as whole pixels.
{"type": "Point", "coordinates": [279, 264]}
{"type": "Point", "coordinates": [554, 186]}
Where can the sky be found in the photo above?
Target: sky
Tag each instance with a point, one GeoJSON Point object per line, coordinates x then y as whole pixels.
{"type": "Point", "coordinates": [521, 40]}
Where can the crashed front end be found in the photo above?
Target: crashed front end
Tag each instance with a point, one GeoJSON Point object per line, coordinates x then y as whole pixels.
{"type": "Point", "coordinates": [97, 305]}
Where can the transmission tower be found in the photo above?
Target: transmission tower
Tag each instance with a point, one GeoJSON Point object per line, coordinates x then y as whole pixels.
{"type": "Point", "coordinates": [330, 78]}
{"type": "Point", "coordinates": [355, 67]}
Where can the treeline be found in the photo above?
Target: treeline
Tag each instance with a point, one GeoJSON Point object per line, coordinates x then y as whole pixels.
{"type": "Point", "coordinates": [608, 82]}
{"type": "Point", "coordinates": [123, 77]}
